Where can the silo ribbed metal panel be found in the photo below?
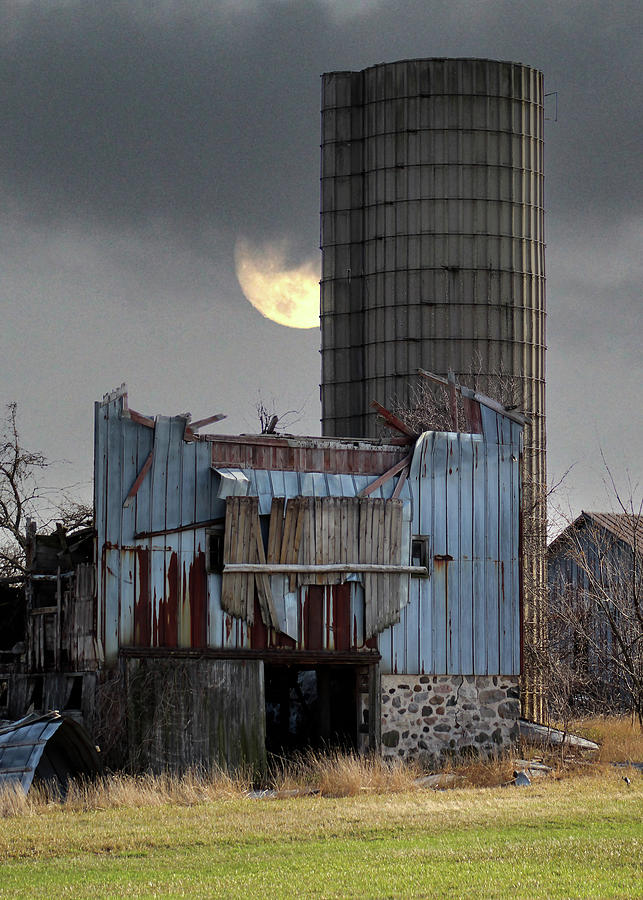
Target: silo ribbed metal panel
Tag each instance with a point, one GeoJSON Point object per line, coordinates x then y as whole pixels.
{"type": "Point", "coordinates": [431, 230]}
{"type": "Point", "coordinates": [432, 237]}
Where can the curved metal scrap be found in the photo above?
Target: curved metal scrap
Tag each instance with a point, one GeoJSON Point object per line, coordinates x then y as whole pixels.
{"type": "Point", "coordinates": [47, 747]}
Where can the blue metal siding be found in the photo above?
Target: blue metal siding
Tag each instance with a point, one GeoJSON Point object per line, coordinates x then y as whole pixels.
{"type": "Point", "coordinates": [464, 618]}
{"type": "Point", "coordinates": [462, 491]}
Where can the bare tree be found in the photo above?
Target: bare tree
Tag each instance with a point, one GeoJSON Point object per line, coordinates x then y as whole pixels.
{"type": "Point", "coordinates": [23, 497]}
{"type": "Point", "coordinates": [596, 606]}
{"type": "Point", "coordinates": [432, 407]}
{"type": "Point", "coordinates": [272, 423]}
{"type": "Point", "coordinates": [19, 493]}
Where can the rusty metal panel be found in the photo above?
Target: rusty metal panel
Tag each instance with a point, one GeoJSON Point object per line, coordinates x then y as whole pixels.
{"type": "Point", "coordinates": [302, 454]}
{"type": "Point", "coordinates": [143, 597]}
{"type": "Point", "coordinates": [152, 590]}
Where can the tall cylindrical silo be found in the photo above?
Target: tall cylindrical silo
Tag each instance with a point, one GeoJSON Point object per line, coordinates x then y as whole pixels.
{"type": "Point", "coordinates": [432, 243]}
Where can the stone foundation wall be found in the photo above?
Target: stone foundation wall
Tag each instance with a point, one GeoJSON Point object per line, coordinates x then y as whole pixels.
{"type": "Point", "coordinates": [433, 716]}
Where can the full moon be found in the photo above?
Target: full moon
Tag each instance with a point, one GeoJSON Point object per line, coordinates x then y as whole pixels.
{"type": "Point", "coordinates": [289, 296]}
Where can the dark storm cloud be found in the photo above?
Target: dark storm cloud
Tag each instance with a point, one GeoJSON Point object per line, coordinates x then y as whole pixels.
{"type": "Point", "coordinates": [115, 113]}
{"type": "Point", "coordinates": [141, 138]}
{"type": "Point", "coordinates": [209, 112]}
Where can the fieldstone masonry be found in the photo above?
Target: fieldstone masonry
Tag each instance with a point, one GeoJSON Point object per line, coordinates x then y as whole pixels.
{"type": "Point", "coordinates": [433, 716]}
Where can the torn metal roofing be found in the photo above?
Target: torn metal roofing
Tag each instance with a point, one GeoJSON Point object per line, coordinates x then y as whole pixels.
{"type": "Point", "coordinates": [266, 484]}
{"type": "Point", "coordinates": [47, 747]}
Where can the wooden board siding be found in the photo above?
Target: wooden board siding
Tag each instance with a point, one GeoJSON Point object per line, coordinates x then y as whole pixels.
{"type": "Point", "coordinates": [184, 713]}
{"type": "Point", "coordinates": [315, 531]}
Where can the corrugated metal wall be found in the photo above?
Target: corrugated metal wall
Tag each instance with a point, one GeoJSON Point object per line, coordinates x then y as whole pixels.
{"type": "Point", "coordinates": [154, 589]}
{"type": "Point", "coordinates": [465, 617]}
{"type": "Point", "coordinates": [153, 586]}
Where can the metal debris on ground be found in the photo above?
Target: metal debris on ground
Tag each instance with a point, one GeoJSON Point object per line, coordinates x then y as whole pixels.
{"type": "Point", "coordinates": [46, 748]}
{"type": "Point", "coordinates": [441, 780]}
{"type": "Point", "coordinates": [521, 779]}
{"type": "Point", "coordinates": [533, 768]}
{"type": "Point", "coordinates": [542, 734]}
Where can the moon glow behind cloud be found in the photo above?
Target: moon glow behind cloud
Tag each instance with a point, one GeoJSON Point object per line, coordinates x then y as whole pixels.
{"type": "Point", "coordinates": [289, 296]}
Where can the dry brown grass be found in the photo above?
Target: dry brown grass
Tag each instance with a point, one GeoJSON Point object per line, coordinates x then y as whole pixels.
{"type": "Point", "coordinates": [333, 774]}
{"type": "Point", "coordinates": [338, 774]}
{"type": "Point", "coordinates": [620, 739]}
{"type": "Point", "coordinates": [12, 801]}
{"type": "Point", "coordinates": [483, 773]}
{"type": "Point", "coordinates": [121, 790]}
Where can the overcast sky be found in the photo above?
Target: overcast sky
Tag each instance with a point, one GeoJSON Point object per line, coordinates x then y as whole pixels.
{"type": "Point", "coordinates": [141, 139]}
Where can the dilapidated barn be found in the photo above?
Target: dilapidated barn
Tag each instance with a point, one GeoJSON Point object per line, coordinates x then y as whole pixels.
{"type": "Point", "coordinates": [595, 568]}
{"type": "Point", "coordinates": [261, 593]}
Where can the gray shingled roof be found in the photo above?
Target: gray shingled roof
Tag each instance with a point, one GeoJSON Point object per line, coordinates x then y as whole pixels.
{"type": "Point", "coordinates": [627, 528]}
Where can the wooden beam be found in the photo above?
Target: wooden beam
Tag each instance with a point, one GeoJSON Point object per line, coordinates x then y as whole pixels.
{"type": "Point", "coordinates": [432, 377]}
{"type": "Point", "coordinates": [453, 401]}
{"type": "Point", "coordinates": [139, 418]}
{"type": "Point", "coordinates": [282, 655]}
{"type": "Point", "coordinates": [139, 479]}
{"type": "Point", "coordinates": [210, 419]}
{"type": "Point", "coordinates": [192, 427]}
{"type": "Point", "coordinates": [373, 486]}
{"type": "Point", "coordinates": [206, 523]}
{"type": "Point", "coordinates": [321, 568]}
{"type": "Point", "coordinates": [392, 420]}
{"type": "Point", "coordinates": [404, 474]}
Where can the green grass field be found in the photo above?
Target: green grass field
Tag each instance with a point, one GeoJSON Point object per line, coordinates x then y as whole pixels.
{"type": "Point", "coordinates": [577, 837]}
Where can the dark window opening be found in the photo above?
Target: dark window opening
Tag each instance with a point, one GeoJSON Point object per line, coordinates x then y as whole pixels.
{"type": "Point", "coordinates": [312, 707]}
{"type": "Point", "coordinates": [35, 695]}
{"type": "Point", "coordinates": [420, 551]}
{"type": "Point", "coordinates": [75, 698]}
{"type": "Point", "coordinates": [44, 594]}
{"type": "Point", "coordinates": [215, 540]}
{"type": "Point", "coordinates": [4, 694]}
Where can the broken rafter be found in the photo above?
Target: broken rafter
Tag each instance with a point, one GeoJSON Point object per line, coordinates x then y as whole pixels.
{"type": "Point", "coordinates": [374, 485]}
{"type": "Point", "coordinates": [404, 474]}
{"type": "Point", "coordinates": [194, 426]}
{"type": "Point", "coordinates": [478, 398]}
{"type": "Point", "coordinates": [393, 422]}
{"type": "Point", "coordinates": [191, 428]}
{"type": "Point", "coordinates": [139, 479]}
{"type": "Point", "coordinates": [139, 418]}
